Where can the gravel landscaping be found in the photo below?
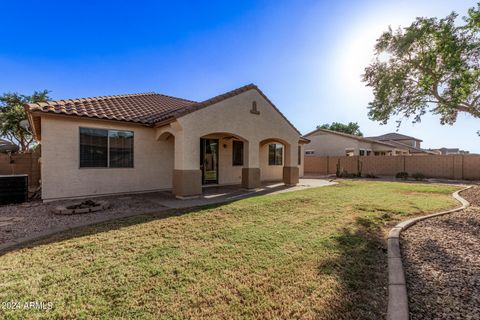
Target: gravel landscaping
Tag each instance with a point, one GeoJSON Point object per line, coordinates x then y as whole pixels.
{"type": "Point", "coordinates": [18, 221]}
{"type": "Point", "coordinates": [442, 264]}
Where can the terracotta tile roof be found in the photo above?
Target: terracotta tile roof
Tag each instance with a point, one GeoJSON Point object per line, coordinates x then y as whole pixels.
{"type": "Point", "coordinates": [143, 108]}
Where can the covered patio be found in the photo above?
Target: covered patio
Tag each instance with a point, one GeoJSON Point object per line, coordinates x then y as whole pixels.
{"type": "Point", "coordinates": [213, 147]}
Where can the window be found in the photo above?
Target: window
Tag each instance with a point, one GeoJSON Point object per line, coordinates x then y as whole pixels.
{"type": "Point", "coordinates": [101, 148]}
{"type": "Point", "coordinates": [369, 152]}
{"type": "Point", "coordinates": [237, 153]}
{"type": "Point", "coordinates": [275, 154]}
{"type": "Point", "coordinates": [362, 152]}
{"type": "Point", "coordinates": [121, 148]}
{"type": "Point", "coordinates": [299, 155]}
{"type": "Point", "coordinates": [309, 151]}
{"type": "Point", "coordinates": [349, 152]}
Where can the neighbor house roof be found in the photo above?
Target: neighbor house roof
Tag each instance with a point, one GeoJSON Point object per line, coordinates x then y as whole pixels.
{"type": "Point", "coordinates": [144, 108]}
{"type": "Point", "coordinates": [409, 147]}
{"type": "Point", "coordinates": [393, 136]}
{"type": "Point", "coordinates": [351, 136]}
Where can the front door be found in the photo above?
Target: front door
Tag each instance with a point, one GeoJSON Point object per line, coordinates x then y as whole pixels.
{"type": "Point", "coordinates": [209, 160]}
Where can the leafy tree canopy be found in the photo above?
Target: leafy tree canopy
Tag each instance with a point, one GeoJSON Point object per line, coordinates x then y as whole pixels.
{"type": "Point", "coordinates": [430, 66]}
{"type": "Point", "coordinates": [12, 113]}
{"type": "Point", "coordinates": [350, 128]}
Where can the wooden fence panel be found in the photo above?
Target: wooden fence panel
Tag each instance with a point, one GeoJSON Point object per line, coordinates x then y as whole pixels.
{"type": "Point", "coordinates": [23, 163]}
{"type": "Point", "coordinates": [435, 166]}
{"type": "Point", "coordinates": [471, 167]}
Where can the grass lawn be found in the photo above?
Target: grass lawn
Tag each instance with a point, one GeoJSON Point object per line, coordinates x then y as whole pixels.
{"type": "Point", "coordinates": [317, 253]}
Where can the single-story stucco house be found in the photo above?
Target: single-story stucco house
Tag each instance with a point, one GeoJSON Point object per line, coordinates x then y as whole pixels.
{"type": "Point", "coordinates": [150, 142]}
{"type": "Point", "coordinates": [324, 142]}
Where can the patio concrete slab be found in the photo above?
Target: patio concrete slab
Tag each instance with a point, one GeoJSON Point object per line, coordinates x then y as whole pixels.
{"type": "Point", "coordinates": [220, 194]}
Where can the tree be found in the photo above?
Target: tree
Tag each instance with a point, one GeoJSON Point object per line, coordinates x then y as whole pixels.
{"type": "Point", "coordinates": [12, 113]}
{"type": "Point", "coordinates": [430, 66]}
{"type": "Point", "coordinates": [350, 128]}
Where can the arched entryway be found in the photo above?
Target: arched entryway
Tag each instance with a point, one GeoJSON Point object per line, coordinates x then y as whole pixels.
{"type": "Point", "coordinates": [278, 162]}
{"type": "Point", "coordinates": [222, 157]}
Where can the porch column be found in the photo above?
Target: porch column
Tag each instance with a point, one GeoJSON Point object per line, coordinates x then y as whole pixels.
{"type": "Point", "coordinates": [251, 169]}
{"type": "Point", "coordinates": [290, 169]}
{"type": "Point", "coordinates": [187, 176]}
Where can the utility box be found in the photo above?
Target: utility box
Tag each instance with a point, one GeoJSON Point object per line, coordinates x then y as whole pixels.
{"type": "Point", "coordinates": [13, 188]}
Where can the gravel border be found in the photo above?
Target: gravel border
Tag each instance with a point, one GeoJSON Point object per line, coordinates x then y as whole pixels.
{"type": "Point", "coordinates": [397, 288]}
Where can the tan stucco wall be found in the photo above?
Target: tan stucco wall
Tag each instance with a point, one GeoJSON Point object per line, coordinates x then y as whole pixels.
{"type": "Point", "coordinates": [267, 172]}
{"type": "Point", "coordinates": [233, 116]}
{"type": "Point", "coordinates": [330, 144]}
{"type": "Point", "coordinates": [156, 155]}
{"type": "Point", "coordinates": [62, 177]}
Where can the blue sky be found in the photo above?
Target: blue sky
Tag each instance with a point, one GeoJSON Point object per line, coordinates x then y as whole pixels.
{"type": "Point", "coordinates": [307, 56]}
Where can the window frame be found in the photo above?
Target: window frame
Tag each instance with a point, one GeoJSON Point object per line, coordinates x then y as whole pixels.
{"type": "Point", "coordinates": [275, 154]}
{"type": "Point", "coordinates": [233, 153]}
{"type": "Point", "coordinates": [299, 155]}
{"type": "Point", "coordinates": [108, 148]}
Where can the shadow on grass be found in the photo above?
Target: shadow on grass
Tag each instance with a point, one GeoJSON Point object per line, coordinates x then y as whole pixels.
{"type": "Point", "coordinates": [229, 194]}
{"type": "Point", "coordinates": [109, 225]}
{"type": "Point", "coordinates": [360, 267]}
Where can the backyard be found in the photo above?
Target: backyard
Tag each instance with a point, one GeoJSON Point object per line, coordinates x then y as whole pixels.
{"type": "Point", "coordinates": [314, 253]}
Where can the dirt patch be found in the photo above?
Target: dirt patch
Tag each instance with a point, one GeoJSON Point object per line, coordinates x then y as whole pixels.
{"type": "Point", "coordinates": [18, 221]}
{"type": "Point", "coordinates": [472, 195]}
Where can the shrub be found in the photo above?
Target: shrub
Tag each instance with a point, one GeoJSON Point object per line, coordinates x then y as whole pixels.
{"type": "Point", "coordinates": [402, 175]}
{"type": "Point", "coordinates": [371, 176]}
{"type": "Point", "coordinates": [418, 176]}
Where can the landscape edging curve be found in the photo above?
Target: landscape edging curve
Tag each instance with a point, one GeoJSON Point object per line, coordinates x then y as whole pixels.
{"type": "Point", "coordinates": [397, 287]}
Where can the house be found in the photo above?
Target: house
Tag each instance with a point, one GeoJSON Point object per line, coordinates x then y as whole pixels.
{"type": "Point", "coordinates": [403, 141]}
{"type": "Point", "coordinates": [324, 142]}
{"type": "Point", "coordinates": [149, 142]}
{"type": "Point", "coordinates": [448, 151]}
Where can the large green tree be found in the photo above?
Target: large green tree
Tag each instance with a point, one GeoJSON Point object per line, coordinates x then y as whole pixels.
{"type": "Point", "coordinates": [350, 128]}
{"type": "Point", "coordinates": [430, 66]}
{"type": "Point", "coordinates": [11, 115]}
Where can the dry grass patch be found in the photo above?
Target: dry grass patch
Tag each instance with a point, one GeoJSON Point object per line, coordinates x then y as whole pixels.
{"type": "Point", "coordinates": [316, 253]}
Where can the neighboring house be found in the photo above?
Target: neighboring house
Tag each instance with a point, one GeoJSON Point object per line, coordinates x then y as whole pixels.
{"type": "Point", "coordinates": [325, 142]}
{"type": "Point", "coordinates": [449, 151]}
{"type": "Point", "coordinates": [403, 141]}
{"type": "Point", "coordinates": [149, 142]}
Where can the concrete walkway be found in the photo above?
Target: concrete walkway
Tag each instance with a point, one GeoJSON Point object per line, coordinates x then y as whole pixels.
{"type": "Point", "coordinates": [215, 195]}
{"type": "Point", "coordinates": [23, 224]}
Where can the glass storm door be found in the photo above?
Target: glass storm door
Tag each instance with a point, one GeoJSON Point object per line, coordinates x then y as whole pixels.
{"type": "Point", "coordinates": [209, 160]}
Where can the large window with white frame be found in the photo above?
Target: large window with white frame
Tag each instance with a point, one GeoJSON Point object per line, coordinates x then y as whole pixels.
{"type": "Point", "coordinates": [102, 148]}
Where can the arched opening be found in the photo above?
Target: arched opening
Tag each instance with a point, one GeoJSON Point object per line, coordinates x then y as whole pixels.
{"type": "Point", "coordinates": [222, 157]}
{"type": "Point", "coordinates": [272, 158]}
{"type": "Point", "coordinates": [166, 143]}
{"type": "Point", "coordinates": [278, 161]}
